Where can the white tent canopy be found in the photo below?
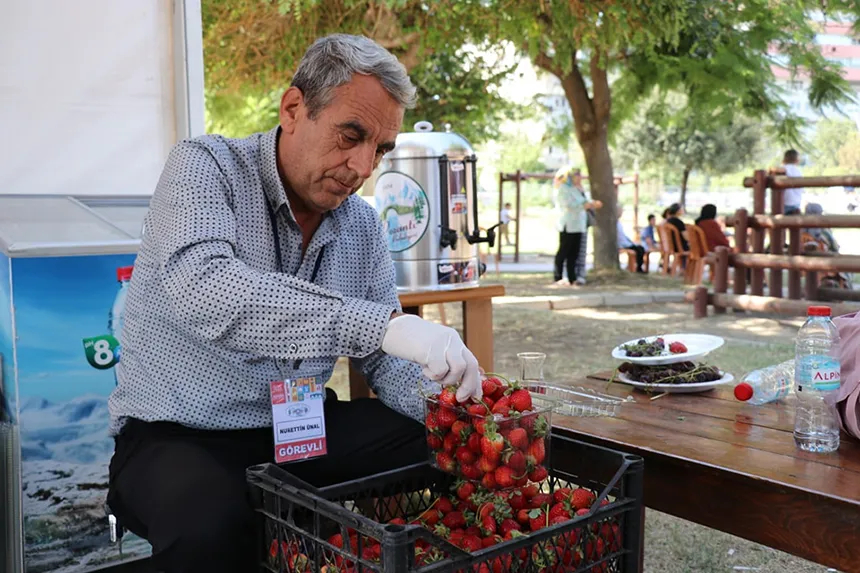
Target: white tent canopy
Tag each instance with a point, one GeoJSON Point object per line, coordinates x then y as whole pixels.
{"type": "Point", "coordinates": [93, 93]}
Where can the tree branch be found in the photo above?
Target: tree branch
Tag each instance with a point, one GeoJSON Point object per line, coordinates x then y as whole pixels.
{"type": "Point", "coordinates": [543, 61]}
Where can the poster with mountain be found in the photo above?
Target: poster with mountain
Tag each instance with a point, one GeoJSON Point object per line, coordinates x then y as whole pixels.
{"type": "Point", "coordinates": [59, 302]}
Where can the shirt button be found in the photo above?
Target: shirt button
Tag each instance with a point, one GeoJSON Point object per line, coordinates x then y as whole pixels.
{"type": "Point", "coordinates": [293, 347]}
{"type": "Point", "coordinates": [356, 349]}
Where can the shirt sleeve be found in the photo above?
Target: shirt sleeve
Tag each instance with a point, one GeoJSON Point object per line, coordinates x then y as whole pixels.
{"type": "Point", "coordinates": [219, 298]}
{"type": "Point", "coordinates": [396, 382]}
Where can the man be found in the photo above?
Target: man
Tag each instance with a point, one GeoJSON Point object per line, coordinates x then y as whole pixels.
{"type": "Point", "coordinates": [258, 265]}
{"type": "Point", "coordinates": [791, 167]}
{"type": "Point", "coordinates": [624, 242]}
{"type": "Point", "coordinates": [649, 239]}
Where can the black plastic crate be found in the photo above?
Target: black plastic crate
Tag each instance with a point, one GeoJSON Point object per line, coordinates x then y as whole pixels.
{"type": "Point", "coordinates": [297, 519]}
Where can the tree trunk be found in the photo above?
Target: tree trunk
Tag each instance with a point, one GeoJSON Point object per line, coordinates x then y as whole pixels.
{"type": "Point", "coordinates": [684, 178]}
{"type": "Point", "coordinates": [600, 179]}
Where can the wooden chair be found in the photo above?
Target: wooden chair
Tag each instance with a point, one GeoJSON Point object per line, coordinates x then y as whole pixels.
{"type": "Point", "coordinates": [674, 256]}
{"type": "Point", "coordinates": [631, 259]}
{"type": "Point", "coordinates": [699, 256]}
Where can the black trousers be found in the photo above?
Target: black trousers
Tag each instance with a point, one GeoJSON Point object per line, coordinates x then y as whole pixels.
{"type": "Point", "coordinates": [184, 490]}
{"type": "Point", "coordinates": [568, 251]}
{"type": "Point", "coordinates": [640, 256]}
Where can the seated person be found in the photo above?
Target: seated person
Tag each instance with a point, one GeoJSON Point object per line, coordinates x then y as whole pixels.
{"type": "Point", "coordinates": [673, 217]}
{"type": "Point", "coordinates": [624, 242]}
{"type": "Point", "coordinates": [823, 236]}
{"type": "Point", "coordinates": [713, 232]}
{"type": "Point", "coordinates": [648, 236]}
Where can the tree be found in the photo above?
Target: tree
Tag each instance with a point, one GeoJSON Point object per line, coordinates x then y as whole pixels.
{"type": "Point", "coordinates": [830, 136]}
{"type": "Point", "coordinates": [252, 48]}
{"type": "Point", "coordinates": [608, 54]}
{"type": "Point", "coordinates": [668, 134]}
{"type": "Point", "coordinates": [848, 155]}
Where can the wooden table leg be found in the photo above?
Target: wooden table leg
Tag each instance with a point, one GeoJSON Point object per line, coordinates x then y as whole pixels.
{"type": "Point", "coordinates": [478, 330]}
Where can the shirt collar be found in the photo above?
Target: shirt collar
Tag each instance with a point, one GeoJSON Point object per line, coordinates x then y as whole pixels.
{"type": "Point", "coordinates": [274, 187]}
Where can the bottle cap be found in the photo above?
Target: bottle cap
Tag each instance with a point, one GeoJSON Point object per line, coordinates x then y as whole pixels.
{"type": "Point", "coordinates": [124, 273]}
{"type": "Point", "coordinates": [743, 391]}
{"type": "Point", "coordinates": [818, 311]}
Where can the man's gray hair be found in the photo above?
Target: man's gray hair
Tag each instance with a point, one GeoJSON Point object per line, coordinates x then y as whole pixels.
{"type": "Point", "coordinates": [333, 60]}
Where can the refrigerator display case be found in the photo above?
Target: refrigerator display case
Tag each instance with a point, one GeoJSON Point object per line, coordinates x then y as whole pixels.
{"type": "Point", "coordinates": [58, 281]}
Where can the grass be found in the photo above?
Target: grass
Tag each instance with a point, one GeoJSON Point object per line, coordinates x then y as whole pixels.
{"type": "Point", "coordinates": [577, 342]}
{"type": "Point", "coordinates": [540, 284]}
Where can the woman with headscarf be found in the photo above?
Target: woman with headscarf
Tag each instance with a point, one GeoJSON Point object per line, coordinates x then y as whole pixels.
{"type": "Point", "coordinates": [714, 235]}
{"type": "Point", "coordinates": [823, 236]}
{"type": "Point", "coordinates": [571, 203]}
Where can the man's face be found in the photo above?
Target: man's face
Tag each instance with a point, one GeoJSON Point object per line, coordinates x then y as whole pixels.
{"type": "Point", "coordinates": [326, 159]}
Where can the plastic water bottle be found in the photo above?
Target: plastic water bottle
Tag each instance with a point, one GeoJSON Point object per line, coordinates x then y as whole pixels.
{"type": "Point", "coordinates": [116, 315]}
{"type": "Point", "coordinates": [817, 375]}
{"type": "Point", "coordinates": [767, 384]}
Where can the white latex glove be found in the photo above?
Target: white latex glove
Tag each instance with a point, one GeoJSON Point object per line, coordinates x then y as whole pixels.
{"type": "Point", "coordinates": [438, 349]}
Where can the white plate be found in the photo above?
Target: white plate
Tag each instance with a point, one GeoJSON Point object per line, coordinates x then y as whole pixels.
{"type": "Point", "coordinates": [698, 345]}
{"type": "Point", "coordinates": [678, 388]}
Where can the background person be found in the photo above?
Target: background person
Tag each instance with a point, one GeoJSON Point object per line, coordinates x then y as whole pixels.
{"type": "Point", "coordinates": [714, 234]}
{"type": "Point", "coordinates": [571, 203]}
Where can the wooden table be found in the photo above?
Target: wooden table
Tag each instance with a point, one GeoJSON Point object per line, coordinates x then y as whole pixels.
{"type": "Point", "coordinates": [477, 323]}
{"type": "Point", "coordinates": [734, 467]}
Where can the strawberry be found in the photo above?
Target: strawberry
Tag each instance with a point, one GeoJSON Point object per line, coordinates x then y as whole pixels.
{"type": "Point", "coordinates": [445, 462]}
{"type": "Point", "coordinates": [462, 428]}
{"type": "Point", "coordinates": [517, 500]}
{"type": "Point", "coordinates": [474, 442]}
{"type": "Point", "coordinates": [522, 481]}
{"type": "Point", "coordinates": [540, 500]}
{"type": "Point", "coordinates": [504, 477]}
{"type": "Point", "coordinates": [536, 452]}
{"type": "Point", "coordinates": [479, 409]}
{"type": "Point", "coordinates": [471, 471]}
{"type": "Point", "coordinates": [518, 438]}
{"type": "Point", "coordinates": [562, 494]}
{"type": "Point", "coordinates": [491, 540]}
{"type": "Point", "coordinates": [523, 516]}
{"type": "Point", "coordinates": [472, 543]}
{"type": "Point", "coordinates": [397, 521]}
{"type": "Point", "coordinates": [502, 406]}
{"type": "Point", "coordinates": [594, 549]}
{"type": "Point", "coordinates": [434, 442]}
{"type": "Point", "coordinates": [491, 385]}
{"type": "Point", "coordinates": [489, 480]}
{"type": "Point", "coordinates": [517, 462]}
{"type": "Point", "coordinates": [473, 530]}
{"type": "Point", "coordinates": [557, 510]}
{"type": "Point", "coordinates": [582, 499]}
{"type": "Point", "coordinates": [446, 417]}
{"type": "Point", "coordinates": [677, 347]}
{"type": "Point", "coordinates": [450, 443]}
{"type": "Point", "coordinates": [444, 505]}
{"type": "Point", "coordinates": [430, 517]}
{"type": "Point", "coordinates": [530, 490]}
{"type": "Point", "coordinates": [489, 402]}
{"type": "Point", "coordinates": [492, 445]}
{"type": "Point", "coordinates": [521, 400]}
{"type": "Point", "coordinates": [538, 474]}
{"type": "Point", "coordinates": [465, 490]}
{"type": "Point", "coordinates": [537, 519]}
{"type": "Point", "coordinates": [581, 512]}
{"type": "Point", "coordinates": [431, 423]}
{"type": "Point", "coordinates": [557, 519]}
{"type": "Point", "coordinates": [465, 456]}
{"type": "Point", "coordinates": [488, 525]}
{"type": "Point", "coordinates": [508, 525]}
{"type": "Point", "coordinates": [448, 396]}
{"type": "Point", "coordinates": [487, 465]}
{"type": "Point", "coordinates": [480, 425]}
{"type": "Point", "coordinates": [535, 425]}
{"type": "Point", "coordinates": [454, 520]}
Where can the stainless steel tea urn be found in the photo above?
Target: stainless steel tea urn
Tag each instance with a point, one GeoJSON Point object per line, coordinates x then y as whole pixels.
{"type": "Point", "coordinates": [426, 194]}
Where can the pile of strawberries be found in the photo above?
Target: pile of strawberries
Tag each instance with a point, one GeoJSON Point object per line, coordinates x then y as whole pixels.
{"type": "Point", "coordinates": [476, 519]}
{"type": "Point", "coordinates": [499, 441]}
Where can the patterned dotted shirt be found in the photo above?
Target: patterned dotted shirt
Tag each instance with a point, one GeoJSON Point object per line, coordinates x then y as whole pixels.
{"type": "Point", "coordinates": [214, 314]}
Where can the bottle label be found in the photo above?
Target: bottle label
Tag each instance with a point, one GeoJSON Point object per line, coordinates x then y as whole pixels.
{"type": "Point", "coordinates": [818, 373]}
{"type": "Point", "coordinates": [102, 352]}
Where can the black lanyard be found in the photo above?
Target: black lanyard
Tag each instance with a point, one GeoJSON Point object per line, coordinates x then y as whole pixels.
{"type": "Point", "coordinates": [277, 236]}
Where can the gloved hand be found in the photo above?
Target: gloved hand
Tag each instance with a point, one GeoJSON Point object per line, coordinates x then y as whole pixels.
{"type": "Point", "coordinates": [438, 349]}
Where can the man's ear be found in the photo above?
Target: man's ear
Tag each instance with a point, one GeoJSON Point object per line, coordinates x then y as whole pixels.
{"type": "Point", "coordinates": [292, 107]}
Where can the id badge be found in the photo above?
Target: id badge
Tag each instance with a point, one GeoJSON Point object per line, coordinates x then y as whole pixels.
{"type": "Point", "coordinates": [298, 420]}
